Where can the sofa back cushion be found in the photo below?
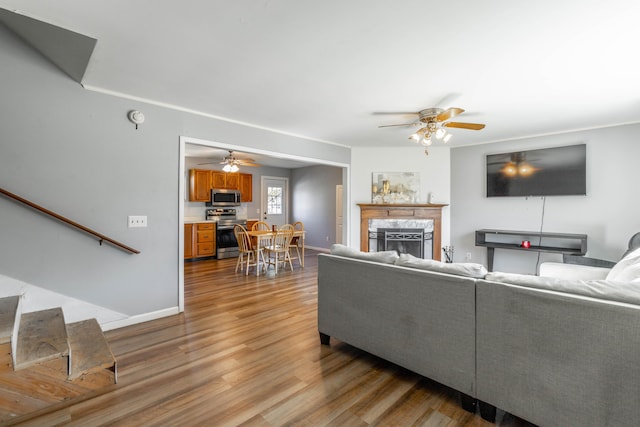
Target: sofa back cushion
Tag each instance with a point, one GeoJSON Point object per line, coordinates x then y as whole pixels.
{"type": "Point", "coordinates": [627, 269]}
{"type": "Point", "coordinates": [626, 292]}
{"type": "Point", "coordinates": [386, 257]}
{"type": "Point", "coordinates": [465, 269]}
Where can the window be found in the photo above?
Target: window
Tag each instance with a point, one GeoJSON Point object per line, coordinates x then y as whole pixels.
{"type": "Point", "coordinates": [274, 200]}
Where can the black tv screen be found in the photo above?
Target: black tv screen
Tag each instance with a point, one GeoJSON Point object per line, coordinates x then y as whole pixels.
{"type": "Point", "coordinates": [558, 171]}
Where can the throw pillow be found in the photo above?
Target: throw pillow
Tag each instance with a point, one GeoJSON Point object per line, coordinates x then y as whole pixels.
{"type": "Point", "coordinates": [466, 269]}
{"type": "Point", "coordinates": [627, 269]}
{"type": "Point", "coordinates": [386, 257]}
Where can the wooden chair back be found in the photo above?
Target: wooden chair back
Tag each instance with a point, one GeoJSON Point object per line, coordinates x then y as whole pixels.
{"type": "Point", "coordinates": [260, 226]}
{"type": "Point", "coordinates": [244, 241]}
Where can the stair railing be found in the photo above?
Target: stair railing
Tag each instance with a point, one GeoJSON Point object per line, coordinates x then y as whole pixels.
{"type": "Point", "coordinates": [101, 237]}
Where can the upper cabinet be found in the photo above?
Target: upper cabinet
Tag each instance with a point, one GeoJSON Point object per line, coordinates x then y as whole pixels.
{"type": "Point", "coordinates": [246, 187]}
{"type": "Point", "coordinates": [199, 185]}
{"type": "Point", "coordinates": [227, 180]}
{"type": "Point", "coordinates": [202, 181]}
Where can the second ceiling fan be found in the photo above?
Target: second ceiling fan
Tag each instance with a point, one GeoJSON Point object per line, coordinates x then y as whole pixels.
{"type": "Point", "coordinates": [231, 163]}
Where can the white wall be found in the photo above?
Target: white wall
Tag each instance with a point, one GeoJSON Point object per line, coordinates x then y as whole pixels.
{"type": "Point", "coordinates": [434, 177]}
{"type": "Point", "coordinates": [609, 214]}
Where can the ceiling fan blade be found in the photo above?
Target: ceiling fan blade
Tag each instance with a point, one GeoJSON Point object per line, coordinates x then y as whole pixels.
{"type": "Point", "coordinates": [246, 163]}
{"type": "Point", "coordinates": [471, 126]}
{"type": "Point", "coordinates": [449, 113]}
{"type": "Point", "coordinates": [404, 124]}
{"type": "Point", "coordinates": [395, 113]}
{"type": "Point", "coordinates": [208, 163]}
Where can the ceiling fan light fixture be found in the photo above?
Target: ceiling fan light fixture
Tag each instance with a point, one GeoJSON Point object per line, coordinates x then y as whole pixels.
{"type": "Point", "coordinates": [227, 168]}
{"type": "Point", "coordinates": [234, 168]}
{"type": "Point", "coordinates": [509, 169]}
{"type": "Point", "coordinates": [435, 123]}
{"type": "Point", "coordinates": [526, 170]}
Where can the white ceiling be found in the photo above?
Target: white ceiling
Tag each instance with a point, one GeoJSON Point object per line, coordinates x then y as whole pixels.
{"type": "Point", "coordinates": [323, 69]}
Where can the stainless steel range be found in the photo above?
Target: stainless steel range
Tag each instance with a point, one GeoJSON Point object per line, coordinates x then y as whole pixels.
{"type": "Point", "coordinates": [226, 244]}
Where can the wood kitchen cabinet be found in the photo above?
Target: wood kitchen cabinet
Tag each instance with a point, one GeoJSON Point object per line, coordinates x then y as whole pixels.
{"type": "Point", "coordinates": [199, 240]}
{"type": "Point", "coordinates": [205, 239]}
{"type": "Point", "coordinates": [218, 180]}
{"type": "Point", "coordinates": [225, 180]}
{"type": "Point", "coordinates": [201, 182]}
{"type": "Point", "coordinates": [246, 187]}
{"type": "Point", "coordinates": [199, 185]}
{"type": "Point", "coordinates": [188, 241]}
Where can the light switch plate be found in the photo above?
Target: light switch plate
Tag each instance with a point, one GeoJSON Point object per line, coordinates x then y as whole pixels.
{"type": "Point", "coordinates": [137, 221]}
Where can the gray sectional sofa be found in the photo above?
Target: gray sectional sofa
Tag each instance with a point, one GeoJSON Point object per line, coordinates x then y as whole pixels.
{"type": "Point", "coordinates": [553, 351]}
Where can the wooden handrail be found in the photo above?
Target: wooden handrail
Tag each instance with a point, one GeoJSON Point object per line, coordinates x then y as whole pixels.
{"type": "Point", "coordinates": [101, 237]}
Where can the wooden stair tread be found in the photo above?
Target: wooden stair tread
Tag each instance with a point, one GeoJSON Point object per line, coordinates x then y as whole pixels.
{"type": "Point", "coordinates": [42, 336]}
{"type": "Point", "coordinates": [89, 348]}
{"type": "Point", "coordinates": [8, 309]}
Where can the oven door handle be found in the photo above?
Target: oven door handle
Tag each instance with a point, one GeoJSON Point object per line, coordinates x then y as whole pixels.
{"type": "Point", "coordinates": [225, 227]}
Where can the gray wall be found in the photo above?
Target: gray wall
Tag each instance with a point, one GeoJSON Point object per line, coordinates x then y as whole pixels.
{"type": "Point", "coordinates": [74, 152]}
{"type": "Point", "coordinates": [313, 192]}
{"type": "Point", "coordinates": [609, 214]}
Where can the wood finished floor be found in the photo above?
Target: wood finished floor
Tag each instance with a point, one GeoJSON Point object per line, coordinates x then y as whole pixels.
{"type": "Point", "coordinates": [246, 352]}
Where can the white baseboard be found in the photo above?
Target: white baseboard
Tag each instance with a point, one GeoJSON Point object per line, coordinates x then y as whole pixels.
{"type": "Point", "coordinates": [140, 318]}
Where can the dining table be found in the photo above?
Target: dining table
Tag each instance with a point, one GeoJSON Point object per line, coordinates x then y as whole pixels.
{"type": "Point", "coordinates": [262, 238]}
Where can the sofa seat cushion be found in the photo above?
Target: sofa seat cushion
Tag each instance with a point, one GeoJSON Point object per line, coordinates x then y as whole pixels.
{"type": "Point", "coordinates": [386, 257]}
{"type": "Point", "coordinates": [627, 269]}
{"type": "Point", "coordinates": [466, 269]}
{"type": "Point", "coordinates": [625, 292]}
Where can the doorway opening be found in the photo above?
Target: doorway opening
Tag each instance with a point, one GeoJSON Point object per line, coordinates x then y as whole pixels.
{"type": "Point", "coordinates": [184, 181]}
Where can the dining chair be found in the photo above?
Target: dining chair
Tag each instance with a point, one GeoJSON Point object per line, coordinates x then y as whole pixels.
{"type": "Point", "coordinates": [278, 249]}
{"type": "Point", "coordinates": [297, 242]}
{"type": "Point", "coordinates": [260, 226]}
{"type": "Point", "coordinates": [245, 249]}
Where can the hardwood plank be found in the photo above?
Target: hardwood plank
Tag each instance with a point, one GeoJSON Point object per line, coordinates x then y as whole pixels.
{"type": "Point", "coordinates": [246, 352]}
{"type": "Point", "coordinates": [6, 362]}
{"type": "Point", "coordinates": [42, 336]}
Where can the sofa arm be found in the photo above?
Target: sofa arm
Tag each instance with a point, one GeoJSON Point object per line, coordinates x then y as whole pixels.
{"type": "Point", "coordinates": [573, 271]}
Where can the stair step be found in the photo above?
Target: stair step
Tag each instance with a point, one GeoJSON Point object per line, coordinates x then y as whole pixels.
{"type": "Point", "coordinates": [89, 349]}
{"type": "Point", "coordinates": [8, 310]}
{"type": "Point", "coordinates": [42, 336]}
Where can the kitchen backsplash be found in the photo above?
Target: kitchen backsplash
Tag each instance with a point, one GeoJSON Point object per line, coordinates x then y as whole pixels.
{"type": "Point", "coordinates": [197, 210]}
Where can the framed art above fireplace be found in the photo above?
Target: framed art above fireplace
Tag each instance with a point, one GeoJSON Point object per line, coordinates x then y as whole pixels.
{"type": "Point", "coordinates": [395, 187]}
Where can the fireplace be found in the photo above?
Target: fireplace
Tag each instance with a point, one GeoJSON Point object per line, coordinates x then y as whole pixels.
{"type": "Point", "coordinates": [413, 237]}
{"type": "Point", "coordinates": [406, 228]}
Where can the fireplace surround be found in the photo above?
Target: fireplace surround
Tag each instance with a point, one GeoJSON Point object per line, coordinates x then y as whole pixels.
{"type": "Point", "coordinates": [407, 216]}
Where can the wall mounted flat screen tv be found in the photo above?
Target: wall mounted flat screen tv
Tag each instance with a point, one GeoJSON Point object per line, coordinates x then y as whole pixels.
{"type": "Point", "coordinates": [558, 171]}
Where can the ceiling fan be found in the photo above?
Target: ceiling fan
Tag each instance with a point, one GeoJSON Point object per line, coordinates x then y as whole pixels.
{"type": "Point", "coordinates": [231, 163]}
{"type": "Point", "coordinates": [433, 122]}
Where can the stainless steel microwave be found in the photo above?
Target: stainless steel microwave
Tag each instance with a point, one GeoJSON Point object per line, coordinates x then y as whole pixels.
{"type": "Point", "coordinates": [224, 197]}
